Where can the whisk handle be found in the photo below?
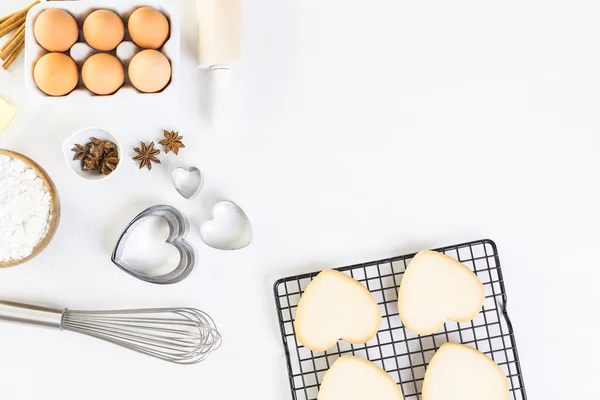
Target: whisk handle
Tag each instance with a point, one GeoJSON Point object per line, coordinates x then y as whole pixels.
{"type": "Point", "coordinates": [30, 315]}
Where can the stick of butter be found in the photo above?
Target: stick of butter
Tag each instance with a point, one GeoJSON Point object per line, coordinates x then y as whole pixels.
{"type": "Point", "coordinates": [7, 113]}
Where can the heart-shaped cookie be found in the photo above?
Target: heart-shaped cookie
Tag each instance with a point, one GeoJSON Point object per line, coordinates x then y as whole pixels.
{"type": "Point", "coordinates": [435, 288]}
{"type": "Point", "coordinates": [334, 306]}
{"type": "Point", "coordinates": [178, 229]}
{"type": "Point", "coordinates": [354, 378]}
{"type": "Point", "coordinates": [459, 372]}
{"type": "Point", "coordinates": [229, 229]}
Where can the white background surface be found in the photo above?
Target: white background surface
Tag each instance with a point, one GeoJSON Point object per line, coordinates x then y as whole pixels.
{"type": "Point", "coordinates": [362, 130]}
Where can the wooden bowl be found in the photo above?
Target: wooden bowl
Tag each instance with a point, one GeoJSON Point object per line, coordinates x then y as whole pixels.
{"type": "Point", "coordinates": [54, 207]}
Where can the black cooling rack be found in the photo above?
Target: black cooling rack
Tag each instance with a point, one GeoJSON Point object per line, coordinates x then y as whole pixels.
{"type": "Point", "coordinates": [400, 352]}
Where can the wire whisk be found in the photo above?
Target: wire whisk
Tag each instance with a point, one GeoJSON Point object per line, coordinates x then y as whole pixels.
{"type": "Point", "coordinates": [178, 335]}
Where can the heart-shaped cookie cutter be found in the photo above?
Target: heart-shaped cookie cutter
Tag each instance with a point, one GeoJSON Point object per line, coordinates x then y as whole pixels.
{"type": "Point", "coordinates": [184, 183]}
{"type": "Point", "coordinates": [178, 229]}
{"type": "Point", "coordinates": [229, 228]}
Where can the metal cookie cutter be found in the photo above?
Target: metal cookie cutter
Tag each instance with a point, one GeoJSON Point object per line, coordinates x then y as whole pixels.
{"type": "Point", "coordinates": [188, 181]}
{"type": "Point", "coordinates": [178, 229]}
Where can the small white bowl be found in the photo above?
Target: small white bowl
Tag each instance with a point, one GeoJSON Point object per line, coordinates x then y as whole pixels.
{"type": "Point", "coordinates": [82, 137]}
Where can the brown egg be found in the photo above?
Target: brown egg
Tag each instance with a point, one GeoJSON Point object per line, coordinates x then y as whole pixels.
{"type": "Point", "coordinates": [149, 71]}
{"type": "Point", "coordinates": [148, 28]}
{"type": "Point", "coordinates": [56, 74]}
{"type": "Point", "coordinates": [103, 74]}
{"type": "Point", "coordinates": [55, 30]}
{"type": "Point", "coordinates": [103, 30]}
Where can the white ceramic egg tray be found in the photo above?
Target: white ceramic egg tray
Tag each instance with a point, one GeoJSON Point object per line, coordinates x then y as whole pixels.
{"type": "Point", "coordinates": [80, 51]}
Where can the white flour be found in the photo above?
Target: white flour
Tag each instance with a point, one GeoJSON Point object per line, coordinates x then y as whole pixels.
{"type": "Point", "coordinates": [24, 209]}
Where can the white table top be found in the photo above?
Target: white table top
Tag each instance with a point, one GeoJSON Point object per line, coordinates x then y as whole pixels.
{"type": "Point", "coordinates": [361, 131]}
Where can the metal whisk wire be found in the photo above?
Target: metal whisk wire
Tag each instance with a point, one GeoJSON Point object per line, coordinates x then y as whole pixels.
{"type": "Point", "coordinates": [178, 335]}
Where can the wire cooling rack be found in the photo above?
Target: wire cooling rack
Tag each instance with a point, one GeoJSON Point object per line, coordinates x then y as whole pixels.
{"type": "Point", "coordinates": [403, 354]}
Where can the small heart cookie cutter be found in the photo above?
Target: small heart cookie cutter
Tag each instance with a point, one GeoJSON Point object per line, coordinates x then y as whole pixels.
{"type": "Point", "coordinates": [192, 188]}
{"type": "Point", "coordinates": [178, 229]}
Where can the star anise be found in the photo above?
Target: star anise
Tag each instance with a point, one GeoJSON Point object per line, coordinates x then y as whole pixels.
{"type": "Point", "coordinates": [80, 152]}
{"type": "Point", "coordinates": [172, 141]}
{"type": "Point", "coordinates": [96, 144]}
{"type": "Point", "coordinates": [95, 141]}
{"type": "Point", "coordinates": [146, 155]}
{"type": "Point", "coordinates": [90, 163]}
{"type": "Point", "coordinates": [97, 155]}
{"type": "Point", "coordinates": [109, 146]}
{"type": "Point", "coordinates": [96, 151]}
{"type": "Point", "coordinates": [109, 163]}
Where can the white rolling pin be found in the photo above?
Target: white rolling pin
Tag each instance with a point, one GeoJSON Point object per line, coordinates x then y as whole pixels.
{"type": "Point", "coordinates": [219, 49]}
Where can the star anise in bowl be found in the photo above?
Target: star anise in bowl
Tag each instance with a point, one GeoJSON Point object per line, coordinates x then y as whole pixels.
{"type": "Point", "coordinates": [109, 163]}
{"type": "Point", "coordinates": [98, 155]}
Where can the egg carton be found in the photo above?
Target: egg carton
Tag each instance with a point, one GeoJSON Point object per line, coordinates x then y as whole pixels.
{"type": "Point", "coordinates": [81, 51]}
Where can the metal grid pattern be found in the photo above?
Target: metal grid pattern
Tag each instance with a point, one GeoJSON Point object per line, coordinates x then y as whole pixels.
{"type": "Point", "coordinates": [403, 354]}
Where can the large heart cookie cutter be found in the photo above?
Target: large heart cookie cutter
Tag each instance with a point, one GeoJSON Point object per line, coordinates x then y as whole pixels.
{"type": "Point", "coordinates": [178, 229]}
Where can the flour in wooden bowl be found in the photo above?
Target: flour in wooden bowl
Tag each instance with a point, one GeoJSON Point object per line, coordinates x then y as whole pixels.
{"type": "Point", "coordinates": [25, 205]}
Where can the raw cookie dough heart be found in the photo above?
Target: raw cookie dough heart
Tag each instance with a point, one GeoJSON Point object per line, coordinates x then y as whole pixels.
{"type": "Point", "coordinates": [354, 378]}
{"type": "Point", "coordinates": [336, 306]}
{"type": "Point", "coordinates": [435, 288]}
{"type": "Point", "coordinates": [458, 372]}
